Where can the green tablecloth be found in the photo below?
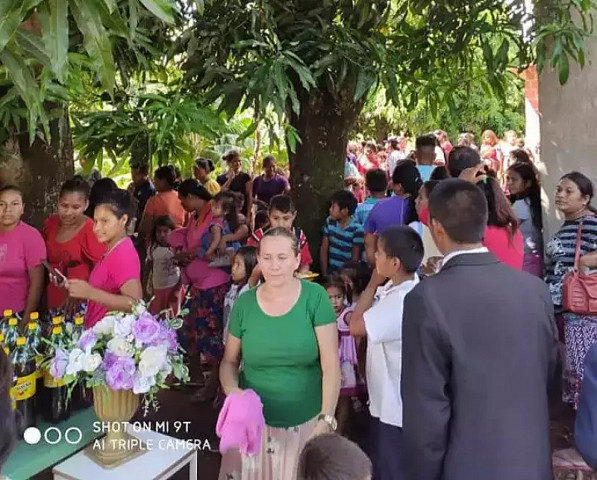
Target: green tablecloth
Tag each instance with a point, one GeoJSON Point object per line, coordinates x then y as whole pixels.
{"type": "Point", "coordinates": [27, 460]}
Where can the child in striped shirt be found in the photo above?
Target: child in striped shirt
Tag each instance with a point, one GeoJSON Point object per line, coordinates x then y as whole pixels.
{"type": "Point", "coordinates": [343, 237]}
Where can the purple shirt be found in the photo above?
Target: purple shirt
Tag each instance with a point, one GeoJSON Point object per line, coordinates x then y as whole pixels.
{"type": "Point", "coordinates": [387, 213]}
{"type": "Point", "coordinates": [266, 189]}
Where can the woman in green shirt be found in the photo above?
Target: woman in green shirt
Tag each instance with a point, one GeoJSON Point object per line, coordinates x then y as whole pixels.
{"type": "Point", "coordinates": [286, 330]}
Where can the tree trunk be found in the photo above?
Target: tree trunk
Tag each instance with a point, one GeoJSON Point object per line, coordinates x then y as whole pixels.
{"type": "Point", "coordinates": [46, 166]}
{"type": "Point", "coordinates": [317, 166]}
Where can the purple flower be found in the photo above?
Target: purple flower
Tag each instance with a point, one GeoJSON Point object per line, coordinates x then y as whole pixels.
{"type": "Point", "coordinates": [59, 363]}
{"type": "Point", "coordinates": [121, 374]}
{"type": "Point", "coordinates": [87, 340]}
{"type": "Point", "coordinates": [167, 336]}
{"type": "Point", "coordinates": [109, 359]}
{"type": "Point", "coordinates": [146, 329]}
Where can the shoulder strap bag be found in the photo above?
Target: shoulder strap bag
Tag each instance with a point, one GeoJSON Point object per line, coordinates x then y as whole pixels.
{"type": "Point", "coordinates": [579, 292]}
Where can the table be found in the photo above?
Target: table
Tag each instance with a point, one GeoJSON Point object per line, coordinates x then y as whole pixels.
{"type": "Point", "coordinates": [28, 460]}
{"type": "Point", "coordinates": [158, 463]}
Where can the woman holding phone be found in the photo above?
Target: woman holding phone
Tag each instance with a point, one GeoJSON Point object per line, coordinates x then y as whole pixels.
{"type": "Point", "coordinates": [73, 249]}
{"type": "Point", "coordinates": [115, 281]}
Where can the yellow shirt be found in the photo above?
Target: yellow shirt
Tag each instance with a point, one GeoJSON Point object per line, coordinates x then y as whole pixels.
{"type": "Point", "coordinates": [212, 186]}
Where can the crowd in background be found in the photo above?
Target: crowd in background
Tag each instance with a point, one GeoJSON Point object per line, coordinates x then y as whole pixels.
{"type": "Point", "coordinates": [419, 259]}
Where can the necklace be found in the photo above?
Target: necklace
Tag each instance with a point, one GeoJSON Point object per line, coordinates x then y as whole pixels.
{"type": "Point", "coordinates": [114, 246]}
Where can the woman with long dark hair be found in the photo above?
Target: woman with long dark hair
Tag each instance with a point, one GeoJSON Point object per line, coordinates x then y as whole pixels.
{"type": "Point", "coordinates": [525, 196]}
{"type": "Point", "coordinates": [573, 199]}
{"type": "Point", "coordinates": [502, 235]}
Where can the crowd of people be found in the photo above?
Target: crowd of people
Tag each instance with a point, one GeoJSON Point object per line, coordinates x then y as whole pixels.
{"type": "Point", "coordinates": [438, 303]}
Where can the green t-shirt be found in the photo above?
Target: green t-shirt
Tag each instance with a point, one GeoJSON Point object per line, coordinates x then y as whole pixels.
{"type": "Point", "coordinates": [281, 354]}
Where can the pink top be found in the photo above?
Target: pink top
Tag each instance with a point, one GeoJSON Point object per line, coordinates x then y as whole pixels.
{"type": "Point", "coordinates": [241, 422]}
{"type": "Point", "coordinates": [510, 252]}
{"type": "Point", "coordinates": [198, 273]}
{"type": "Point", "coordinates": [21, 249]}
{"type": "Point", "coordinates": [116, 267]}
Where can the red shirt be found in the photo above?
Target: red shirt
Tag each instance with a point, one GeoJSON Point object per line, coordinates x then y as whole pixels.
{"type": "Point", "coordinates": [74, 258]}
{"type": "Point", "coordinates": [509, 251]}
{"type": "Point", "coordinates": [306, 259]}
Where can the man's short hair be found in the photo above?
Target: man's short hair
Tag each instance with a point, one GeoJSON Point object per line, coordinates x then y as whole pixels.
{"type": "Point", "coordinates": [428, 140]}
{"type": "Point", "coordinates": [461, 209]}
{"type": "Point", "coordinates": [376, 180]}
{"type": "Point", "coordinates": [345, 200]}
{"type": "Point", "coordinates": [332, 457]}
{"type": "Point", "coordinates": [462, 158]}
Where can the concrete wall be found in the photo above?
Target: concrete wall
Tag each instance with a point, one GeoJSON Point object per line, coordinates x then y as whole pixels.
{"type": "Point", "coordinates": [568, 129]}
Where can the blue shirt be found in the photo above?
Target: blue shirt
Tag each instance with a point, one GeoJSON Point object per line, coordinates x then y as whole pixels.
{"type": "Point", "coordinates": [342, 241]}
{"type": "Point", "coordinates": [426, 171]}
{"type": "Point", "coordinates": [362, 211]}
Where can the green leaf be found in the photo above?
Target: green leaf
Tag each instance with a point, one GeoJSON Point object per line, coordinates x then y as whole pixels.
{"type": "Point", "coordinates": [163, 9]}
{"type": "Point", "coordinates": [96, 41]}
{"type": "Point", "coordinates": [27, 87]}
{"type": "Point", "coordinates": [365, 81]}
{"type": "Point", "coordinates": [563, 68]}
{"type": "Point", "coordinates": [33, 45]}
{"type": "Point", "coordinates": [133, 18]}
{"type": "Point", "coordinates": [200, 6]}
{"type": "Point", "coordinates": [111, 5]}
{"type": "Point", "coordinates": [53, 16]}
{"type": "Point", "coordinates": [12, 14]}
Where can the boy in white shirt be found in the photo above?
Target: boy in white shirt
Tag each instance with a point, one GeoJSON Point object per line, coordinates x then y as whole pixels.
{"type": "Point", "coordinates": [378, 316]}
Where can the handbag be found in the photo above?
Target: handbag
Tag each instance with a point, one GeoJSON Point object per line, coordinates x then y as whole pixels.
{"type": "Point", "coordinates": [579, 292]}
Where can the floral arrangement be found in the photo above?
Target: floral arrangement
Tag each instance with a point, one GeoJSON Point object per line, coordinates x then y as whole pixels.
{"type": "Point", "coordinates": [124, 351]}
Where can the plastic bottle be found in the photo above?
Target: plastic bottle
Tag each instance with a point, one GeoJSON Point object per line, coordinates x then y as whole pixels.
{"type": "Point", "coordinates": [55, 406]}
{"type": "Point", "coordinates": [12, 333]}
{"type": "Point", "coordinates": [24, 387]}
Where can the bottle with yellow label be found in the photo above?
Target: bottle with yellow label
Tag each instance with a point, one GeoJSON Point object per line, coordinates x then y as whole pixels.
{"type": "Point", "coordinates": [24, 386]}
{"type": "Point", "coordinates": [55, 406]}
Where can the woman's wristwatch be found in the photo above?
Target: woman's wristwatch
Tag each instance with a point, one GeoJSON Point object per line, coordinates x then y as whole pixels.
{"type": "Point", "coordinates": [330, 420]}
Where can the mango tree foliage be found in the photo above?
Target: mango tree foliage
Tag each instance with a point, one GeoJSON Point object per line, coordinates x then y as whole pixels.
{"type": "Point", "coordinates": [315, 61]}
{"type": "Point", "coordinates": [46, 43]}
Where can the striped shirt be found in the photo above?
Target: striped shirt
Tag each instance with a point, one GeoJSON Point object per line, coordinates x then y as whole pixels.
{"type": "Point", "coordinates": [341, 242]}
{"type": "Point", "coordinates": [560, 251]}
{"type": "Point", "coordinates": [362, 211]}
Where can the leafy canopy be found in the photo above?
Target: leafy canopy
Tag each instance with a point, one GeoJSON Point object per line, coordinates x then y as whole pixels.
{"type": "Point", "coordinates": [260, 53]}
{"type": "Point", "coordinates": [46, 44]}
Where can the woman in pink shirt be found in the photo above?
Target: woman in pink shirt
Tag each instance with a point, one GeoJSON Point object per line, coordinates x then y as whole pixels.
{"type": "Point", "coordinates": [22, 250]}
{"type": "Point", "coordinates": [115, 281]}
{"type": "Point", "coordinates": [208, 285]}
{"type": "Point", "coordinates": [502, 236]}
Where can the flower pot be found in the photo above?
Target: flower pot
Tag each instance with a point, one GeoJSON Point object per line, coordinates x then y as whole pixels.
{"type": "Point", "coordinates": [113, 408]}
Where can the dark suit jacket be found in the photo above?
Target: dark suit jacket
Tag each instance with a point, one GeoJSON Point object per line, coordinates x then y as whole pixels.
{"type": "Point", "coordinates": [479, 348]}
{"type": "Point", "coordinates": [585, 428]}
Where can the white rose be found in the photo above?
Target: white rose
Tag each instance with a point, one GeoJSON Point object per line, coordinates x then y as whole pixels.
{"type": "Point", "coordinates": [91, 361]}
{"type": "Point", "coordinates": [120, 347]}
{"type": "Point", "coordinates": [105, 326]}
{"type": "Point", "coordinates": [124, 326]}
{"type": "Point", "coordinates": [139, 308]}
{"type": "Point", "coordinates": [142, 384]}
{"type": "Point", "coordinates": [153, 360]}
{"type": "Point", "coordinates": [75, 362]}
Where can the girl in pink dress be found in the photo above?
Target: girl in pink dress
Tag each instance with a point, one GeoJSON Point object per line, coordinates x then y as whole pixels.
{"type": "Point", "coordinates": [347, 351]}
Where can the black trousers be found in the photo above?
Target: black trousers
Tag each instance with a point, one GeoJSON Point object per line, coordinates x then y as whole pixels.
{"type": "Point", "coordinates": [388, 451]}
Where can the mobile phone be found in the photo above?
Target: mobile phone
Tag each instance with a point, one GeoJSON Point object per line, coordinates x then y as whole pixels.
{"type": "Point", "coordinates": [54, 271]}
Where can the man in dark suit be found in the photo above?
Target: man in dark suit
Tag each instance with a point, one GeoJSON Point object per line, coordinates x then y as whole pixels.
{"type": "Point", "coordinates": [479, 348]}
{"type": "Point", "coordinates": [585, 428]}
